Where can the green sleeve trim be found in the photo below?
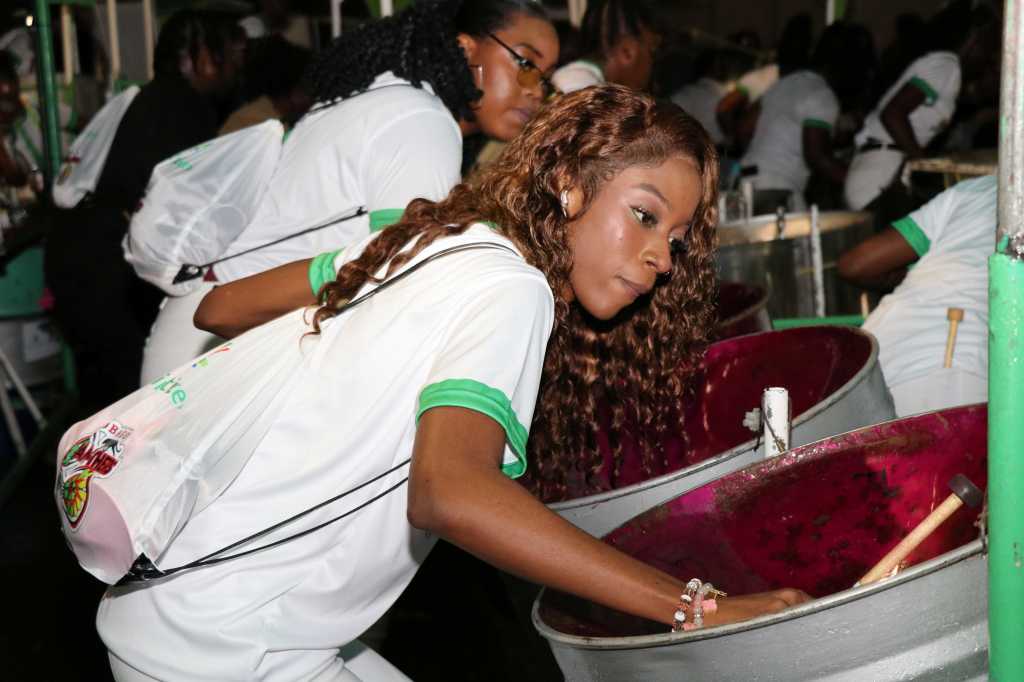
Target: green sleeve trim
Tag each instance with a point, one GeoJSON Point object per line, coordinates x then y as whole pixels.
{"type": "Point", "coordinates": [914, 235]}
{"type": "Point", "coordinates": [923, 86]}
{"type": "Point", "coordinates": [321, 270]}
{"type": "Point", "coordinates": [384, 217]}
{"type": "Point", "coordinates": [474, 395]}
{"type": "Point", "coordinates": [817, 123]}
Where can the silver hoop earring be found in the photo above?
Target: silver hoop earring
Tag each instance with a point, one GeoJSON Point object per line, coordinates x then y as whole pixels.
{"type": "Point", "coordinates": [563, 198]}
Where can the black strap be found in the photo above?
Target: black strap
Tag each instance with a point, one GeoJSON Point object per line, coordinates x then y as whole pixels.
{"type": "Point", "coordinates": [189, 272]}
{"type": "Point", "coordinates": [143, 569]}
{"type": "Point", "coordinates": [872, 145]}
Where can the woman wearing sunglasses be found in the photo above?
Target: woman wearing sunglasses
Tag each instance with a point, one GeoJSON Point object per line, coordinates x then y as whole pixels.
{"type": "Point", "coordinates": [394, 101]}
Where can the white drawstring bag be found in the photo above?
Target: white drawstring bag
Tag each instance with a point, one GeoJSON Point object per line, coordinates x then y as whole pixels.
{"type": "Point", "coordinates": [88, 153]}
{"type": "Point", "coordinates": [197, 203]}
{"type": "Point", "coordinates": [130, 476]}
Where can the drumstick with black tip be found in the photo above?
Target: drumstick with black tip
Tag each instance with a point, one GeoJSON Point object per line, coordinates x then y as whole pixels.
{"type": "Point", "coordinates": [964, 492]}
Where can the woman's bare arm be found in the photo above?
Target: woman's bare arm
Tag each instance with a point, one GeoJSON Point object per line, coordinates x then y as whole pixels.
{"type": "Point", "coordinates": [896, 119]}
{"type": "Point", "coordinates": [233, 308]}
{"type": "Point", "coordinates": [456, 490]}
{"type": "Point", "coordinates": [879, 262]}
{"type": "Point", "coordinates": [817, 148]}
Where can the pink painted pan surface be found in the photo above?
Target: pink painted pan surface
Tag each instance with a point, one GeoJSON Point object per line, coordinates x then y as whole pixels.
{"type": "Point", "coordinates": [742, 309]}
{"type": "Point", "coordinates": [816, 518]}
{"type": "Point", "coordinates": [811, 362]}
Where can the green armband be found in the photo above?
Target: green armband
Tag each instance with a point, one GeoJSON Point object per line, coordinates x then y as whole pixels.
{"type": "Point", "coordinates": [321, 270]}
{"type": "Point", "coordinates": [930, 96]}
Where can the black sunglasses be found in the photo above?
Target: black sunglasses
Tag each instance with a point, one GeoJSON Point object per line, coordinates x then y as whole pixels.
{"type": "Point", "coordinates": [530, 75]}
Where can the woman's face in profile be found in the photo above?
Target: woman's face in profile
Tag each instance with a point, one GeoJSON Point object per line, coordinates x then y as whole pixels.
{"type": "Point", "coordinates": [507, 105]}
{"type": "Point", "coordinates": [623, 241]}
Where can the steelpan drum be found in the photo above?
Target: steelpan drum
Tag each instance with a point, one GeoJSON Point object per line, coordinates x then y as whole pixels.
{"type": "Point", "coordinates": [835, 384]}
{"type": "Point", "coordinates": [815, 518]}
{"type": "Point", "coordinates": [742, 309]}
{"type": "Point", "coordinates": [777, 251]}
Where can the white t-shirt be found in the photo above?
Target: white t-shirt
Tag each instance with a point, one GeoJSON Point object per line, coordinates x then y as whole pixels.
{"type": "Point", "coordinates": [801, 99]}
{"type": "Point", "coordinates": [700, 100]}
{"type": "Point", "coordinates": [379, 150]}
{"type": "Point", "coordinates": [953, 234]}
{"type": "Point", "coordinates": [577, 75]}
{"type": "Point", "coordinates": [468, 330]}
{"type": "Point", "coordinates": [937, 74]}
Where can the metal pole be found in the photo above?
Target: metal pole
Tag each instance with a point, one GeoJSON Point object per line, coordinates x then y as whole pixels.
{"type": "Point", "coordinates": [577, 8]}
{"type": "Point", "coordinates": [336, 18]}
{"type": "Point", "coordinates": [115, 43]}
{"type": "Point", "coordinates": [67, 29]}
{"type": "Point", "coordinates": [47, 89]}
{"type": "Point", "coordinates": [1006, 374]}
{"type": "Point", "coordinates": [147, 29]}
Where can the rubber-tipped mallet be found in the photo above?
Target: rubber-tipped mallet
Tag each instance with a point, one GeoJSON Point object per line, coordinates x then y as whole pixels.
{"type": "Point", "coordinates": [955, 316]}
{"type": "Point", "coordinates": [964, 492]}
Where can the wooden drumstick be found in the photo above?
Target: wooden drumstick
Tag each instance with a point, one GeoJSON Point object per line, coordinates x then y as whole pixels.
{"type": "Point", "coordinates": [964, 492]}
{"type": "Point", "coordinates": [954, 315]}
{"type": "Point", "coordinates": [865, 304]}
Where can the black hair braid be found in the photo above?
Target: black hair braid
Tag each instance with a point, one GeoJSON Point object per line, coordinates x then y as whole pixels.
{"type": "Point", "coordinates": [419, 45]}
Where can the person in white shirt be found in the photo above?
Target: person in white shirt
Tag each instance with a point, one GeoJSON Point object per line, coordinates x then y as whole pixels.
{"type": "Point", "coordinates": [275, 18]}
{"type": "Point", "coordinates": [618, 42]}
{"type": "Point", "coordinates": [916, 108]}
{"type": "Point", "coordinates": [795, 124]}
{"type": "Point", "coordinates": [602, 209]}
{"type": "Point", "coordinates": [701, 97]}
{"type": "Point", "coordinates": [394, 100]}
{"type": "Point", "coordinates": [942, 249]}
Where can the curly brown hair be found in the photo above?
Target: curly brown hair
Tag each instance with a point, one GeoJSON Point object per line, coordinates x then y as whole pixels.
{"type": "Point", "coordinates": [598, 376]}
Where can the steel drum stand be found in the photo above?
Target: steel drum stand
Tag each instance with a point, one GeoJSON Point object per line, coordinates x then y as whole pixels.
{"type": "Point", "coordinates": [11, 379]}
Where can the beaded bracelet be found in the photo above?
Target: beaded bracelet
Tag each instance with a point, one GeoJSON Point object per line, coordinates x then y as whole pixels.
{"type": "Point", "coordinates": [698, 599]}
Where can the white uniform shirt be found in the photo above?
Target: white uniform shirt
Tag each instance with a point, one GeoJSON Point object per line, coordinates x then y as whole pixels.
{"type": "Point", "coordinates": [937, 74]}
{"type": "Point", "coordinates": [802, 98]}
{"type": "Point", "coordinates": [470, 330]}
{"type": "Point", "coordinates": [700, 100]}
{"type": "Point", "coordinates": [379, 150]}
{"type": "Point", "coordinates": [953, 234]}
{"type": "Point", "coordinates": [577, 75]}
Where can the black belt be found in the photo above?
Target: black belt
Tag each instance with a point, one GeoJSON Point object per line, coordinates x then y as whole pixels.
{"type": "Point", "coordinates": [874, 145]}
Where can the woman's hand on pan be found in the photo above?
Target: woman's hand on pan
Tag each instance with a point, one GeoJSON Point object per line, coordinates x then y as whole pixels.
{"type": "Point", "coordinates": [747, 606]}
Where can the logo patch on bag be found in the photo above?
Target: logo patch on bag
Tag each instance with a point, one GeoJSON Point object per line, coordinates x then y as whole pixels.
{"type": "Point", "coordinates": [94, 455]}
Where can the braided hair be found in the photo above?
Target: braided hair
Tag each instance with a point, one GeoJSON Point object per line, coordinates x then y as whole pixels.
{"type": "Point", "coordinates": [606, 22]}
{"type": "Point", "coordinates": [185, 33]}
{"type": "Point", "coordinates": [419, 45]}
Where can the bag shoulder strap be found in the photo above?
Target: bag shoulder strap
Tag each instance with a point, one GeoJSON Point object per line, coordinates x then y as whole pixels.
{"type": "Point", "coordinates": [143, 569]}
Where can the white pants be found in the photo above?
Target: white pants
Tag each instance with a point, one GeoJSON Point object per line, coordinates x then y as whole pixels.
{"type": "Point", "coordinates": [937, 390]}
{"type": "Point", "coordinates": [355, 662]}
{"type": "Point", "coordinates": [173, 339]}
{"type": "Point", "coordinates": [869, 174]}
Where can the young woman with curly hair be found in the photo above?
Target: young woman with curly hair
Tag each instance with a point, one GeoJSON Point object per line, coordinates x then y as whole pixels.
{"type": "Point", "coordinates": [591, 274]}
{"type": "Point", "coordinates": [394, 100]}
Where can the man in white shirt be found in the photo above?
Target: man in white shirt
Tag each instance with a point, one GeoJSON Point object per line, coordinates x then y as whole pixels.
{"type": "Point", "coordinates": [700, 98]}
{"type": "Point", "coordinates": [947, 242]}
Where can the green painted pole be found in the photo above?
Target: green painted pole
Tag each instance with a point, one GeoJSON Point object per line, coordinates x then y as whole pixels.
{"type": "Point", "coordinates": [1006, 468]}
{"type": "Point", "coordinates": [1006, 374]}
{"type": "Point", "coordinates": [46, 78]}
